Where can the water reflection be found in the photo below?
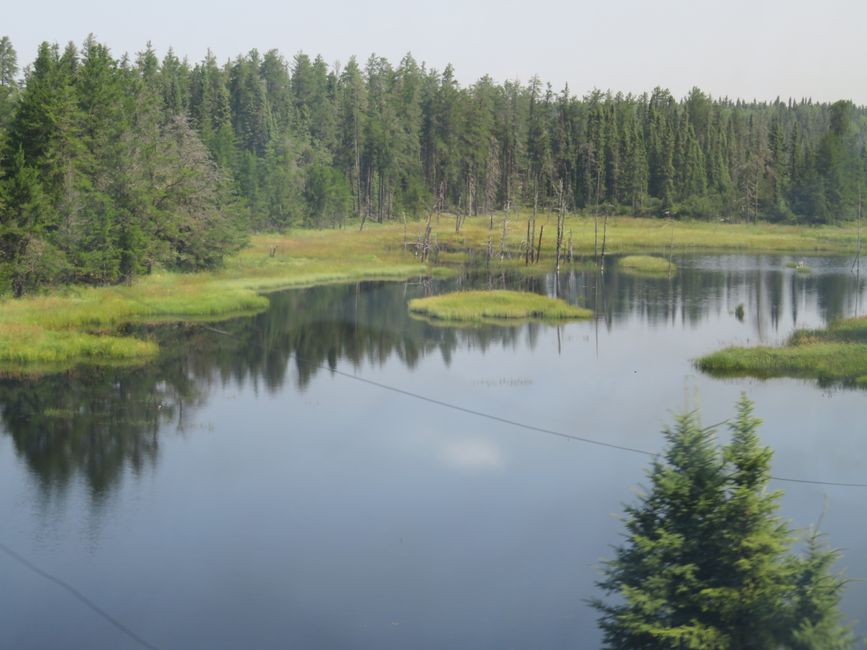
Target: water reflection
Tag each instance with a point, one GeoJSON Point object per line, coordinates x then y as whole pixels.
{"type": "Point", "coordinates": [95, 422]}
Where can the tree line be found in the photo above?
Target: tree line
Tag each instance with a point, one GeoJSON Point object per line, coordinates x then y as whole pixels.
{"type": "Point", "coordinates": [109, 166]}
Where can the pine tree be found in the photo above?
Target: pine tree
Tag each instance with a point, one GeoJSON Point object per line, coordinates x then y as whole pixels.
{"type": "Point", "coordinates": [816, 620]}
{"type": "Point", "coordinates": [8, 84]}
{"type": "Point", "coordinates": [707, 563]}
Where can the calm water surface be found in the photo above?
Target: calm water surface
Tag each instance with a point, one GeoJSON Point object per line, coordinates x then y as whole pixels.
{"type": "Point", "coordinates": [237, 493]}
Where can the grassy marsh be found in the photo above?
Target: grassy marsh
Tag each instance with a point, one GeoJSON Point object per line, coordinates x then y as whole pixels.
{"type": "Point", "coordinates": [487, 306]}
{"type": "Point", "coordinates": [22, 345]}
{"type": "Point", "coordinates": [837, 354]}
{"type": "Point", "coordinates": [79, 324]}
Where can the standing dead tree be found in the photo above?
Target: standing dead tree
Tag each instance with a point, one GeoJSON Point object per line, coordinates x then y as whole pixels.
{"type": "Point", "coordinates": [571, 256]}
{"type": "Point", "coordinates": [596, 216]}
{"type": "Point", "coordinates": [561, 223]}
{"type": "Point", "coordinates": [604, 238]}
{"type": "Point", "coordinates": [423, 243]}
{"type": "Point", "coordinates": [539, 246]}
{"type": "Point", "coordinates": [505, 232]}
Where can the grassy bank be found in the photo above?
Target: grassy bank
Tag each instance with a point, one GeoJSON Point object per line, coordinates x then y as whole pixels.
{"type": "Point", "coordinates": [646, 265]}
{"type": "Point", "coordinates": [78, 324]}
{"type": "Point", "coordinates": [837, 354]}
{"type": "Point", "coordinates": [487, 306]}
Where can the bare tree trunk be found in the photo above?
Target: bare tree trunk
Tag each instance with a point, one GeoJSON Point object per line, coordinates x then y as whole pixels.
{"type": "Point", "coordinates": [756, 195]}
{"type": "Point", "coordinates": [596, 219]}
{"type": "Point", "coordinates": [534, 258]}
{"type": "Point", "coordinates": [671, 248]}
{"type": "Point", "coordinates": [357, 165]}
{"type": "Point", "coordinates": [859, 233]}
{"type": "Point", "coordinates": [604, 237]}
{"type": "Point", "coordinates": [427, 245]}
{"type": "Point", "coordinates": [539, 247]}
{"type": "Point", "coordinates": [528, 244]}
{"type": "Point", "coordinates": [560, 225]}
{"type": "Point", "coordinates": [490, 251]}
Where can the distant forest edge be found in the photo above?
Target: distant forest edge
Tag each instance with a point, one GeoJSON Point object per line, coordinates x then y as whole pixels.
{"type": "Point", "coordinates": [109, 167]}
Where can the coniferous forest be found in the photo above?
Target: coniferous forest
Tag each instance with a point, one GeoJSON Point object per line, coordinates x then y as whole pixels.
{"type": "Point", "coordinates": [111, 165]}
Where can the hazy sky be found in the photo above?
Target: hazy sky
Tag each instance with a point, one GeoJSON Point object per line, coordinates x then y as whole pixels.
{"type": "Point", "coordinates": [740, 48]}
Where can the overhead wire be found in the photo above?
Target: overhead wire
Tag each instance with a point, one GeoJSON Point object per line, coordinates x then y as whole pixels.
{"type": "Point", "coordinates": [522, 425]}
{"type": "Point", "coordinates": [553, 432]}
{"type": "Point", "coordinates": [78, 595]}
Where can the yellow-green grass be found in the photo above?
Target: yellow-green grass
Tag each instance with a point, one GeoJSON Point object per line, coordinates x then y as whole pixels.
{"type": "Point", "coordinates": [631, 235]}
{"type": "Point", "coordinates": [77, 324]}
{"type": "Point", "coordinates": [634, 235]}
{"type": "Point", "coordinates": [30, 344]}
{"type": "Point", "coordinates": [488, 306]}
{"type": "Point", "coordinates": [800, 267]}
{"type": "Point", "coordinates": [646, 265]}
{"type": "Point", "coordinates": [836, 354]}
{"type": "Point", "coordinates": [381, 251]}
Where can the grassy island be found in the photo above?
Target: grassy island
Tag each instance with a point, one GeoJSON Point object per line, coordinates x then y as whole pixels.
{"type": "Point", "coordinates": [646, 265]}
{"type": "Point", "coordinates": [800, 267]}
{"type": "Point", "coordinates": [487, 306]}
{"type": "Point", "coordinates": [837, 354]}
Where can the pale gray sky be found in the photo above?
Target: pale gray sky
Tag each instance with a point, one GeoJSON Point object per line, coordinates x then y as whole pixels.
{"type": "Point", "coordinates": [740, 48]}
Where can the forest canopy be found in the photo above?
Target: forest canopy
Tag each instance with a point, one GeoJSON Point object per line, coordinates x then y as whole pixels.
{"type": "Point", "coordinates": [110, 166]}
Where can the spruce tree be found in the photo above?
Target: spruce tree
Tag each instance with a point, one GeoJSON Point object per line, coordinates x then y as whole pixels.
{"type": "Point", "coordinates": [707, 563]}
{"type": "Point", "coordinates": [816, 619]}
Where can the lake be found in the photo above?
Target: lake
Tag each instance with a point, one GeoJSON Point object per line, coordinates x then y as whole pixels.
{"type": "Point", "coordinates": [294, 479]}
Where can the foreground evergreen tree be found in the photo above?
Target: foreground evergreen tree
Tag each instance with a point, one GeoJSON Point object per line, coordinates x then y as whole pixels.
{"type": "Point", "coordinates": [707, 563]}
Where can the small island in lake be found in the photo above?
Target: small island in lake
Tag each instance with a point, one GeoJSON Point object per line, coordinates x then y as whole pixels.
{"type": "Point", "coordinates": [646, 265]}
{"type": "Point", "coordinates": [834, 355]}
{"type": "Point", "coordinates": [486, 306]}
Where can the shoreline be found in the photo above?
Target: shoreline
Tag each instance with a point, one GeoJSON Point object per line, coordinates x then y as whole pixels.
{"type": "Point", "coordinates": [79, 324]}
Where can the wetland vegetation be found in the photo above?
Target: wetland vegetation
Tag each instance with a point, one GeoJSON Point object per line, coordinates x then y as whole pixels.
{"type": "Point", "coordinates": [142, 200]}
{"type": "Point", "coordinates": [65, 326]}
{"type": "Point", "coordinates": [486, 306]}
{"type": "Point", "coordinates": [646, 264]}
{"type": "Point", "coordinates": [836, 354]}
{"type": "Point", "coordinates": [153, 197]}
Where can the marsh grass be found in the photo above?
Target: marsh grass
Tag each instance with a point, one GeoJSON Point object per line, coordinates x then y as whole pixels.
{"type": "Point", "coordinates": [837, 354]}
{"type": "Point", "coordinates": [22, 345]}
{"type": "Point", "coordinates": [800, 267]}
{"type": "Point", "coordinates": [492, 306]}
{"type": "Point", "coordinates": [646, 265]}
{"type": "Point", "coordinates": [79, 324]}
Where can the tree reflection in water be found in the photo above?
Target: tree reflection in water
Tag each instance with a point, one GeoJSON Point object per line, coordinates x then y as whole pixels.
{"type": "Point", "coordinates": [95, 423]}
